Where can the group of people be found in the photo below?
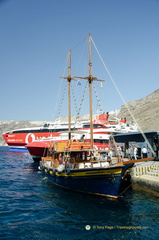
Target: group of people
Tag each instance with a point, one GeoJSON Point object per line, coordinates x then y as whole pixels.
{"type": "Point", "coordinates": [132, 152]}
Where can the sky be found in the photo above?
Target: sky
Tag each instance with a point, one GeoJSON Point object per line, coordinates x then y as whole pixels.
{"type": "Point", "coordinates": [36, 35]}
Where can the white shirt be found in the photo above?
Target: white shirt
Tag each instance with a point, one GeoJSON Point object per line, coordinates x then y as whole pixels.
{"type": "Point", "coordinates": [144, 150]}
{"type": "Point", "coordinates": [135, 150]}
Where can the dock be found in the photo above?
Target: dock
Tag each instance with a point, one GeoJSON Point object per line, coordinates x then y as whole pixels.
{"type": "Point", "coordinates": [146, 174]}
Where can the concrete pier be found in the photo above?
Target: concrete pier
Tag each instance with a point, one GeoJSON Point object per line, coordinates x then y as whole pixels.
{"type": "Point", "coordinates": [146, 174]}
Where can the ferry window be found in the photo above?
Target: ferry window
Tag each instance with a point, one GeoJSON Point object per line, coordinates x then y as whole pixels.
{"type": "Point", "coordinates": [99, 126]}
{"type": "Point", "coordinates": [101, 141]}
{"type": "Point", "coordinates": [46, 125]}
{"type": "Point", "coordinates": [86, 126]}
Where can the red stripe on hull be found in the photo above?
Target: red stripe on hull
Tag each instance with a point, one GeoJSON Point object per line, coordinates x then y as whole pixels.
{"type": "Point", "coordinates": [21, 139]}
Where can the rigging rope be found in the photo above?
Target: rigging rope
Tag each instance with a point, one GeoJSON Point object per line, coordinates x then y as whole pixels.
{"type": "Point", "coordinates": [74, 98]}
{"type": "Point", "coordinates": [59, 91]}
{"type": "Point", "coordinates": [62, 100]}
{"type": "Point", "coordinates": [82, 99]}
{"type": "Point", "coordinates": [146, 140]}
{"type": "Point", "coordinates": [98, 99]}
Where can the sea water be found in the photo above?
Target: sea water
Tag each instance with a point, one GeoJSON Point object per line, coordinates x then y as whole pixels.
{"type": "Point", "coordinates": [31, 207]}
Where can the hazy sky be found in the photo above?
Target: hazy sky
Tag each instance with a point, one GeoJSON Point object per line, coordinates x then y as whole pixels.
{"type": "Point", "coordinates": [35, 36]}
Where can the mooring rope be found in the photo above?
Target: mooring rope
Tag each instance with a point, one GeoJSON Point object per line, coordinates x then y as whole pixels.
{"type": "Point", "coordinates": [146, 170]}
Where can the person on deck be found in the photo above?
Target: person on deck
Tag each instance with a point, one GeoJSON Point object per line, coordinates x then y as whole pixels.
{"type": "Point", "coordinates": [82, 138]}
{"type": "Point", "coordinates": [135, 153]}
{"type": "Point", "coordinates": [130, 150]}
{"type": "Point", "coordinates": [60, 159]}
{"type": "Point", "coordinates": [144, 152]}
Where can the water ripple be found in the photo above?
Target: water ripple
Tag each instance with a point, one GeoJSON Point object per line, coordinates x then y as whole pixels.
{"type": "Point", "coordinates": [31, 207]}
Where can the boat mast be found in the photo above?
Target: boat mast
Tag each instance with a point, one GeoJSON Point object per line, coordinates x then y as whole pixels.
{"type": "Point", "coordinates": [90, 79]}
{"type": "Point", "coordinates": [69, 93]}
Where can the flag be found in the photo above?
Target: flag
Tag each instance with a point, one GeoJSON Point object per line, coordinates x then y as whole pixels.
{"type": "Point", "coordinates": [78, 82]}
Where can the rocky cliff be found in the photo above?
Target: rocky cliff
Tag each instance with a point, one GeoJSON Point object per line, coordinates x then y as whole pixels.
{"type": "Point", "coordinates": [144, 111]}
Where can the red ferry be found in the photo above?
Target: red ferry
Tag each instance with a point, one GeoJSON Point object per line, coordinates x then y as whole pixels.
{"type": "Point", "coordinates": [18, 138]}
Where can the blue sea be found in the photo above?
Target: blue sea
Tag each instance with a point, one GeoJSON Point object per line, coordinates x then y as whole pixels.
{"type": "Point", "coordinates": [31, 207]}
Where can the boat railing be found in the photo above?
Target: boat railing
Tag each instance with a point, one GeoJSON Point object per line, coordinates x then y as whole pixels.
{"type": "Point", "coordinates": [78, 163]}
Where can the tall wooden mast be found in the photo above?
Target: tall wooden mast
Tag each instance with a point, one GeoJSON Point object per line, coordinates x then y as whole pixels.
{"type": "Point", "coordinates": [69, 93]}
{"type": "Point", "coordinates": [90, 79]}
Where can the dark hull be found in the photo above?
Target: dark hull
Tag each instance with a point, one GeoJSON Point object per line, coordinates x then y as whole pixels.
{"type": "Point", "coordinates": [104, 182]}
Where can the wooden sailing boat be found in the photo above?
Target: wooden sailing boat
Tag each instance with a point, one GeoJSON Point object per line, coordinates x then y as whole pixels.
{"type": "Point", "coordinates": [75, 165]}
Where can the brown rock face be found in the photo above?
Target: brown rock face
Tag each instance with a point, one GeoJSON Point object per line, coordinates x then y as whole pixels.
{"type": "Point", "coordinates": [145, 111]}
